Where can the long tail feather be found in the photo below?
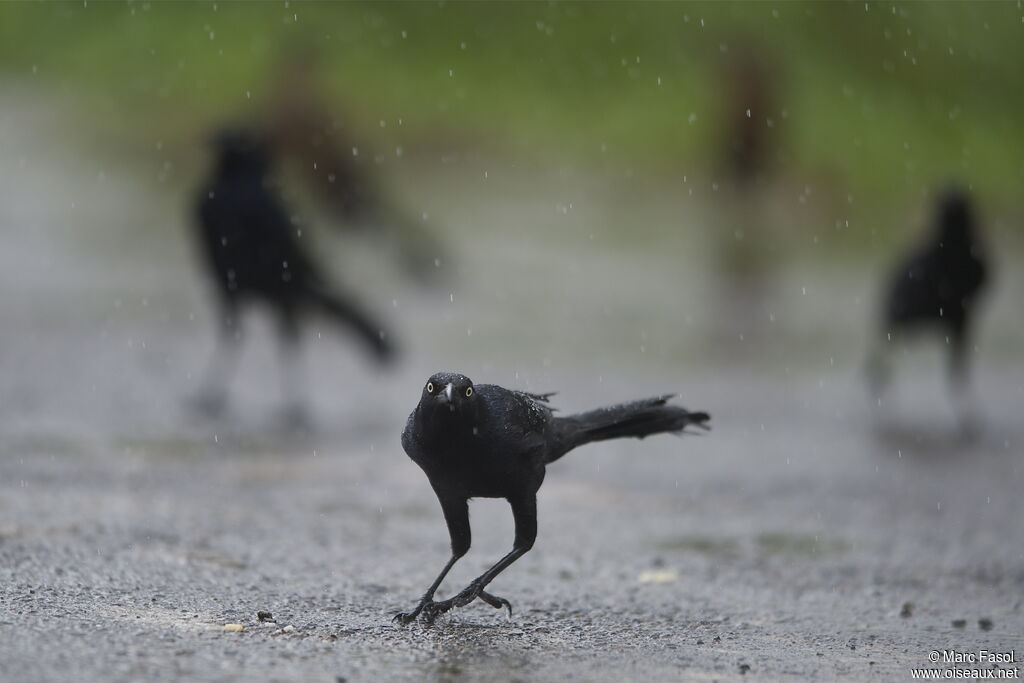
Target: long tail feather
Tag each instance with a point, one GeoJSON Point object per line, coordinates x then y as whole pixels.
{"type": "Point", "coordinates": [350, 315]}
{"type": "Point", "coordinates": [636, 419]}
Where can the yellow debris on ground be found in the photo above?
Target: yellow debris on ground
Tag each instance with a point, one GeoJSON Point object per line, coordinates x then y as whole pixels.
{"type": "Point", "coordinates": [658, 576]}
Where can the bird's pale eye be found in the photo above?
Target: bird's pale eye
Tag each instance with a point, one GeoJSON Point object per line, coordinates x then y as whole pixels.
{"type": "Point", "coordinates": [430, 387]}
{"type": "Point", "coordinates": [469, 391]}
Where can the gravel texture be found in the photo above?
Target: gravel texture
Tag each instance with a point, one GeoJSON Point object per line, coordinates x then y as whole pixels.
{"type": "Point", "coordinates": [809, 535]}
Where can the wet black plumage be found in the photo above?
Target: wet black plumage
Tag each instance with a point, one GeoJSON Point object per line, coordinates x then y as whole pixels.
{"type": "Point", "coordinates": [253, 252]}
{"type": "Point", "coordinates": [487, 441]}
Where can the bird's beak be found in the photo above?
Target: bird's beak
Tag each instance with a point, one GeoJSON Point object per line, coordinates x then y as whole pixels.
{"type": "Point", "coordinates": [445, 395]}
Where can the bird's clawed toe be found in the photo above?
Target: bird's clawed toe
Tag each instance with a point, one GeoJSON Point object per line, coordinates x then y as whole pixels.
{"type": "Point", "coordinates": [432, 610]}
{"type": "Point", "coordinates": [405, 618]}
{"type": "Point", "coordinates": [428, 610]}
{"type": "Point", "coordinates": [497, 602]}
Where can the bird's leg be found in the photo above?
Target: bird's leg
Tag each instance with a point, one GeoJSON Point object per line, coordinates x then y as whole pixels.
{"type": "Point", "coordinates": [524, 511]}
{"type": "Point", "coordinates": [404, 618]}
{"type": "Point", "coordinates": [212, 398]}
{"type": "Point", "coordinates": [958, 385]}
{"type": "Point", "coordinates": [291, 369]}
{"type": "Point", "coordinates": [876, 369]}
{"type": "Point", "coordinates": [957, 361]}
{"type": "Point", "coordinates": [456, 516]}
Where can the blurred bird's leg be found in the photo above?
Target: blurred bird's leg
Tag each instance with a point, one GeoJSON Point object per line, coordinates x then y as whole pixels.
{"type": "Point", "coordinates": [415, 246]}
{"type": "Point", "coordinates": [291, 367]}
{"type": "Point", "coordinates": [959, 384]}
{"type": "Point", "coordinates": [524, 511]}
{"type": "Point", "coordinates": [212, 397]}
{"type": "Point", "coordinates": [424, 257]}
{"type": "Point", "coordinates": [877, 371]}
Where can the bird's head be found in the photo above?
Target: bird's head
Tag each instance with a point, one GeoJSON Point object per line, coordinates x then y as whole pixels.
{"type": "Point", "coordinates": [954, 221]}
{"type": "Point", "coordinates": [449, 392]}
{"type": "Point", "coordinates": [240, 150]}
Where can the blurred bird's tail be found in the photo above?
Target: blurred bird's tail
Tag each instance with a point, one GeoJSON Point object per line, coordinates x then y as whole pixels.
{"type": "Point", "coordinates": [636, 419]}
{"type": "Point", "coordinates": [419, 249]}
{"type": "Point", "coordinates": [350, 315]}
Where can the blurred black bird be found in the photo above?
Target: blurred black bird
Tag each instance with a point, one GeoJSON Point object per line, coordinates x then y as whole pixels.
{"type": "Point", "coordinates": [490, 442]}
{"type": "Point", "coordinates": [253, 254]}
{"type": "Point", "coordinates": [936, 290]}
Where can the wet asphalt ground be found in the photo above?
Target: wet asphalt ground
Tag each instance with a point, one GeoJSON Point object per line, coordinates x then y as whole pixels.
{"type": "Point", "coordinates": [809, 535]}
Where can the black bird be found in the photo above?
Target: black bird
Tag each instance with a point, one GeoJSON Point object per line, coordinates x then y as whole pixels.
{"type": "Point", "coordinates": [936, 289]}
{"type": "Point", "coordinates": [490, 442]}
{"type": "Point", "coordinates": [254, 254]}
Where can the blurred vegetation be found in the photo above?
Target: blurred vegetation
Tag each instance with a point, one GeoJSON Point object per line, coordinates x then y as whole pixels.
{"type": "Point", "coordinates": [874, 99]}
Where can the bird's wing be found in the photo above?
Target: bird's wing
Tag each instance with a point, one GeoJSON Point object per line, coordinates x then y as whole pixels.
{"type": "Point", "coordinates": [527, 415]}
{"type": "Point", "coordinates": [280, 240]}
{"type": "Point", "coordinates": [541, 398]}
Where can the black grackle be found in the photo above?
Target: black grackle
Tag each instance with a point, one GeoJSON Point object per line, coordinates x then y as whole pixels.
{"type": "Point", "coordinates": [936, 289]}
{"type": "Point", "coordinates": [486, 441]}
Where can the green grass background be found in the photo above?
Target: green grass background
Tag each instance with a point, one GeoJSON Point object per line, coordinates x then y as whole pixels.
{"type": "Point", "coordinates": [881, 100]}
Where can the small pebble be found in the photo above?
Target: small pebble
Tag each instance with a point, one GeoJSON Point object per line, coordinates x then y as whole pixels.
{"type": "Point", "coordinates": [263, 615]}
{"type": "Point", "coordinates": [908, 610]}
{"type": "Point", "coordinates": [744, 668]}
{"type": "Point", "coordinates": [959, 623]}
{"type": "Point", "coordinates": [289, 629]}
{"type": "Point", "coordinates": [234, 628]}
{"type": "Point", "coordinates": [985, 624]}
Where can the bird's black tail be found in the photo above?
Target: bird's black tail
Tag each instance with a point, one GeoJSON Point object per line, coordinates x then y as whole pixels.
{"type": "Point", "coordinates": [421, 252]}
{"type": "Point", "coordinates": [350, 315]}
{"type": "Point", "coordinates": [636, 419]}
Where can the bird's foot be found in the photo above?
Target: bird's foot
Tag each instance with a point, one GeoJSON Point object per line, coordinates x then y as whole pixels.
{"type": "Point", "coordinates": [210, 403]}
{"type": "Point", "coordinates": [970, 428]}
{"type": "Point", "coordinates": [295, 418]}
{"type": "Point", "coordinates": [497, 603]}
{"type": "Point", "coordinates": [406, 618]}
{"type": "Point", "coordinates": [431, 610]}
